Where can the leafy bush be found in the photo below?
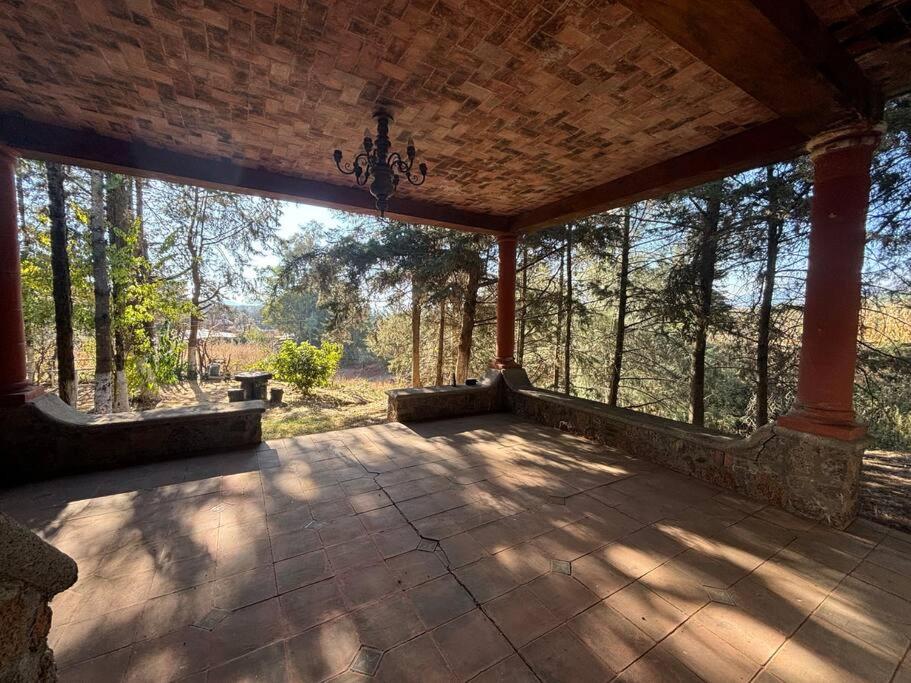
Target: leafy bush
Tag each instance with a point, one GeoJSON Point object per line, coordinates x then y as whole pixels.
{"type": "Point", "coordinates": [305, 366]}
{"type": "Point", "coordinates": [168, 357]}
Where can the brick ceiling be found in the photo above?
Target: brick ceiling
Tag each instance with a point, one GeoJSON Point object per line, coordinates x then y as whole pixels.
{"type": "Point", "coordinates": [877, 33]}
{"type": "Point", "coordinates": [512, 103]}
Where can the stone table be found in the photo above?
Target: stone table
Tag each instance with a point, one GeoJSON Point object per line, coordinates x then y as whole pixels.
{"type": "Point", "coordinates": [254, 384]}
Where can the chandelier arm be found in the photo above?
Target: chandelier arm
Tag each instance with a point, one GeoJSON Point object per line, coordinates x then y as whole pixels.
{"type": "Point", "coordinates": [395, 160]}
{"type": "Point", "coordinates": [402, 166]}
{"type": "Point", "coordinates": [346, 169]}
{"type": "Point", "coordinates": [363, 177]}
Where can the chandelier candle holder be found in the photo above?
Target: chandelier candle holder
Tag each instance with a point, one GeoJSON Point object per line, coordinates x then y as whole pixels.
{"type": "Point", "coordinates": [382, 169]}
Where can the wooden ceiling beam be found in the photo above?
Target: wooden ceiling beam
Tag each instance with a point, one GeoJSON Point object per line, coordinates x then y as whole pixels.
{"type": "Point", "coordinates": [764, 144]}
{"type": "Point", "coordinates": [92, 150]}
{"type": "Point", "coordinates": [777, 51]}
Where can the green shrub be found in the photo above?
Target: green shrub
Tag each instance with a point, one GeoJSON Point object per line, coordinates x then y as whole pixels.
{"type": "Point", "coordinates": [305, 366]}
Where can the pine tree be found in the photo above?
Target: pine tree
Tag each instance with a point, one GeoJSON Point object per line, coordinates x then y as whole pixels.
{"type": "Point", "coordinates": [63, 297]}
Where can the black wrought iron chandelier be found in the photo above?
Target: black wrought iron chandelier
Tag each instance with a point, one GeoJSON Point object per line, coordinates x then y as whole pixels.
{"type": "Point", "coordinates": [379, 167]}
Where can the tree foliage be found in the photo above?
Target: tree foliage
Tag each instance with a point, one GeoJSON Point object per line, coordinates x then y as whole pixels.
{"type": "Point", "coordinates": [687, 306]}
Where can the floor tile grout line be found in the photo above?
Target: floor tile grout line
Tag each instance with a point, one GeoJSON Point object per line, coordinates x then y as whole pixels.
{"type": "Point", "coordinates": [827, 594]}
{"type": "Point", "coordinates": [701, 608]}
{"type": "Point", "coordinates": [898, 666]}
{"type": "Point", "coordinates": [574, 494]}
{"type": "Point", "coordinates": [450, 572]}
{"type": "Point", "coordinates": [799, 533]}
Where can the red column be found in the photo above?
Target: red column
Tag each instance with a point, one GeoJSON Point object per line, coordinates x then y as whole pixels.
{"type": "Point", "coordinates": [506, 302]}
{"type": "Point", "coordinates": [14, 387]}
{"type": "Point", "coordinates": [841, 192]}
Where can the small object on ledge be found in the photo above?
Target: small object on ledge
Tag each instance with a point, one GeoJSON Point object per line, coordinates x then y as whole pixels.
{"type": "Point", "coordinates": [454, 380]}
{"type": "Point", "coordinates": [235, 395]}
{"type": "Point", "coordinates": [471, 382]}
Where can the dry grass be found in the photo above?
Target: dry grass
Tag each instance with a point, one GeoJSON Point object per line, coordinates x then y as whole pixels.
{"type": "Point", "coordinates": [344, 403]}
{"type": "Point", "coordinates": [237, 357]}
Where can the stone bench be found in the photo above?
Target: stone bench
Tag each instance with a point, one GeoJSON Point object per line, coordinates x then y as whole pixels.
{"type": "Point", "coordinates": [47, 438]}
{"type": "Point", "coordinates": [438, 403]}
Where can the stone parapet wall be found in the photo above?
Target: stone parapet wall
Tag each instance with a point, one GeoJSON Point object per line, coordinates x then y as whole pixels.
{"type": "Point", "coordinates": [46, 438]}
{"type": "Point", "coordinates": [812, 476]}
{"type": "Point", "coordinates": [440, 403]}
{"type": "Point", "coordinates": [31, 573]}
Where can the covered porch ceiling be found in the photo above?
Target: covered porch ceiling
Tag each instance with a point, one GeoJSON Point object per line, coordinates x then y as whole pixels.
{"type": "Point", "coordinates": [527, 113]}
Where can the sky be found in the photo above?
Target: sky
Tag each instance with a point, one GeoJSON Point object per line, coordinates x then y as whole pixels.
{"type": "Point", "coordinates": [294, 214]}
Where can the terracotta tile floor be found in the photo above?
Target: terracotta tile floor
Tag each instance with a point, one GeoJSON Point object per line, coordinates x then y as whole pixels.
{"type": "Point", "coordinates": [485, 549]}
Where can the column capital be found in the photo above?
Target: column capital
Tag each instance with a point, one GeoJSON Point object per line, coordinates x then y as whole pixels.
{"type": "Point", "coordinates": [860, 134]}
{"type": "Point", "coordinates": [507, 237]}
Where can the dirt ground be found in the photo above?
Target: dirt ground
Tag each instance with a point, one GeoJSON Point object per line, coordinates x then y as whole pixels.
{"type": "Point", "coordinates": [885, 493]}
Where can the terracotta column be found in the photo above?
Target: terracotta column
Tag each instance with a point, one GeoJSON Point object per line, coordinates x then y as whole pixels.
{"type": "Point", "coordinates": [506, 302]}
{"type": "Point", "coordinates": [14, 387]}
{"type": "Point", "coordinates": [841, 192]}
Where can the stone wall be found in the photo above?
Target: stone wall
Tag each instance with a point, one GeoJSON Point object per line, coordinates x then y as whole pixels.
{"type": "Point", "coordinates": [812, 476]}
{"type": "Point", "coordinates": [31, 573]}
{"type": "Point", "coordinates": [46, 438]}
{"type": "Point", "coordinates": [808, 475]}
{"type": "Point", "coordinates": [440, 403]}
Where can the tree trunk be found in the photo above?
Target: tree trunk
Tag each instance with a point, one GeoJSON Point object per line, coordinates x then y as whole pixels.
{"type": "Point", "coordinates": [469, 309]}
{"type": "Point", "coordinates": [194, 252]}
{"type": "Point", "coordinates": [774, 227]}
{"type": "Point", "coordinates": [415, 336]}
{"type": "Point", "coordinates": [558, 346]}
{"type": "Point", "coordinates": [620, 337]}
{"type": "Point", "coordinates": [117, 209]}
{"type": "Point", "coordinates": [568, 335]}
{"type": "Point", "coordinates": [31, 359]}
{"type": "Point", "coordinates": [193, 336]}
{"type": "Point", "coordinates": [143, 245]}
{"type": "Point", "coordinates": [20, 199]}
{"type": "Point", "coordinates": [63, 298]}
{"type": "Point", "coordinates": [441, 346]}
{"type": "Point", "coordinates": [148, 391]}
{"type": "Point", "coordinates": [103, 360]}
{"type": "Point", "coordinates": [523, 310]}
{"type": "Point", "coordinates": [708, 254]}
